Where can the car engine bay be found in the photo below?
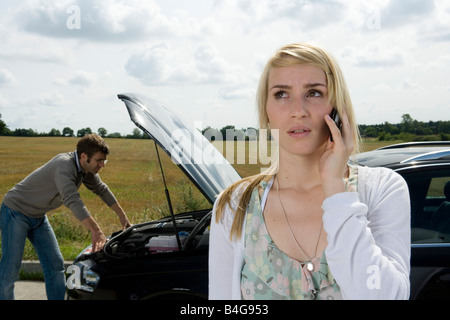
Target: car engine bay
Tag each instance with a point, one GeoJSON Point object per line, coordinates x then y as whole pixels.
{"type": "Point", "coordinates": [136, 241]}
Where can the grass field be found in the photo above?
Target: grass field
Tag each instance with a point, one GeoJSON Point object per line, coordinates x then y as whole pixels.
{"type": "Point", "coordinates": [132, 173]}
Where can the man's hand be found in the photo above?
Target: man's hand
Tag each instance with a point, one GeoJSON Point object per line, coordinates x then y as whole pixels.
{"type": "Point", "coordinates": [98, 238]}
{"type": "Point", "coordinates": [98, 241]}
{"type": "Point", "coordinates": [122, 215]}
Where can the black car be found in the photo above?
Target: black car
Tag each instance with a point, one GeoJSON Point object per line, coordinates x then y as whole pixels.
{"type": "Point", "coordinates": [426, 168]}
{"type": "Point", "coordinates": [168, 258]}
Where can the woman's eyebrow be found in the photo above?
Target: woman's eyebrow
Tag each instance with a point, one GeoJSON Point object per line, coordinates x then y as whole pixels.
{"type": "Point", "coordinates": [307, 86]}
{"type": "Point", "coordinates": [280, 86]}
{"type": "Point", "coordinates": [312, 85]}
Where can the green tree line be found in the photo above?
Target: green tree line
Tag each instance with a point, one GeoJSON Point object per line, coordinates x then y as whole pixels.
{"type": "Point", "coordinates": [407, 130]}
{"type": "Point", "coordinates": [67, 132]}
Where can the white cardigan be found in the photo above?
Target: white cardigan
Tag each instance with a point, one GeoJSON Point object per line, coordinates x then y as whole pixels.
{"type": "Point", "coordinates": [368, 248]}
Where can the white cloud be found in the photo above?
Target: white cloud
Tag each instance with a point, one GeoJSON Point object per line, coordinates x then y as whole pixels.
{"type": "Point", "coordinates": [53, 98]}
{"type": "Point", "coordinates": [295, 14]}
{"type": "Point", "coordinates": [375, 54]}
{"type": "Point", "coordinates": [32, 48]}
{"type": "Point", "coordinates": [80, 78]}
{"type": "Point", "coordinates": [163, 64]}
{"type": "Point", "coordinates": [236, 92]}
{"type": "Point", "coordinates": [409, 84]}
{"type": "Point", "coordinates": [105, 21]}
{"type": "Point", "coordinates": [400, 12]}
{"type": "Point", "coordinates": [83, 78]}
{"type": "Point", "coordinates": [6, 78]}
{"type": "Point", "coordinates": [150, 65]}
{"type": "Point", "coordinates": [3, 102]}
{"type": "Point", "coordinates": [380, 88]}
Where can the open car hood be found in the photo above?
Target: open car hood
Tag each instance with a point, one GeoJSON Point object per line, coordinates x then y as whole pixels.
{"type": "Point", "coordinates": [188, 148]}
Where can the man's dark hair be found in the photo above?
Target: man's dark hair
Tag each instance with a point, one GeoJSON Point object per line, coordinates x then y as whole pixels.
{"type": "Point", "coordinates": [91, 144]}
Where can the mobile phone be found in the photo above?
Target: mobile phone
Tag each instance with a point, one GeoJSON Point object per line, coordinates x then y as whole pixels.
{"type": "Point", "coordinates": [337, 120]}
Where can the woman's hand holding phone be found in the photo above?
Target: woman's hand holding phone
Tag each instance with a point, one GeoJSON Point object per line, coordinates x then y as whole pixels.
{"type": "Point", "coordinates": [333, 161]}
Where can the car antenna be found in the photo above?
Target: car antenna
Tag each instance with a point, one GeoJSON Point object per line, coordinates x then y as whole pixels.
{"type": "Point", "coordinates": [168, 198]}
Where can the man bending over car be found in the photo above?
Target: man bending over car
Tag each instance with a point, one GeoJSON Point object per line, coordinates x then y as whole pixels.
{"type": "Point", "coordinates": [24, 208]}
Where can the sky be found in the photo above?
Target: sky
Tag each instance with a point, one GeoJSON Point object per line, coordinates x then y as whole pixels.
{"type": "Point", "coordinates": [62, 63]}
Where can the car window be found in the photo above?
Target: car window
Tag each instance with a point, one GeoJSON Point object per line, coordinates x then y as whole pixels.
{"type": "Point", "coordinates": [429, 189]}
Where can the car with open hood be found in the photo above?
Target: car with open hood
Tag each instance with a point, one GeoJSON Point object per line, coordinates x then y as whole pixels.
{"type": "Point", "coordinates": [168, 258]}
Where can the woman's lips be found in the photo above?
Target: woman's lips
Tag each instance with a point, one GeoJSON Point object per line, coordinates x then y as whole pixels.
{"type": "Point", "coordinates": [298, 131]}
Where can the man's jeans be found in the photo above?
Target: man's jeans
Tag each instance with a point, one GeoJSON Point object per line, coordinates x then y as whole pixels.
{"type": "Point", "coordinates": [15, 228]}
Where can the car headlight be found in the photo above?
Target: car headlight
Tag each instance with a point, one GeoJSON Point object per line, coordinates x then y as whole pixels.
{"type": "Point", "coordinates": [82, 277]}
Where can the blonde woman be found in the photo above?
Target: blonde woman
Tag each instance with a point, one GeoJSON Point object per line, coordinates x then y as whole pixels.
{"type": "Point", "coordinates": [313, 227]}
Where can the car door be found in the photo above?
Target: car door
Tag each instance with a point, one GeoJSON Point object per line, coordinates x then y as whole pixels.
{"type": "Point", "coordinates": [429, 187]}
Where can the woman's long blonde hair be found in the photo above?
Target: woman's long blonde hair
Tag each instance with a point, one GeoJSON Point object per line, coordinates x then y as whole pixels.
{"type": "Point", "coordinates": [338, 95]}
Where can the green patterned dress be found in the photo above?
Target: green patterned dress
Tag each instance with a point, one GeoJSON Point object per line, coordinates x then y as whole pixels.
{"type": "Point", "coordinates": [268, 273]}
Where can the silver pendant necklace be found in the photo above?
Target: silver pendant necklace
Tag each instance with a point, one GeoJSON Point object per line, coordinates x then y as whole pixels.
{"type": "Point", "coordinates": [308, 263]}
